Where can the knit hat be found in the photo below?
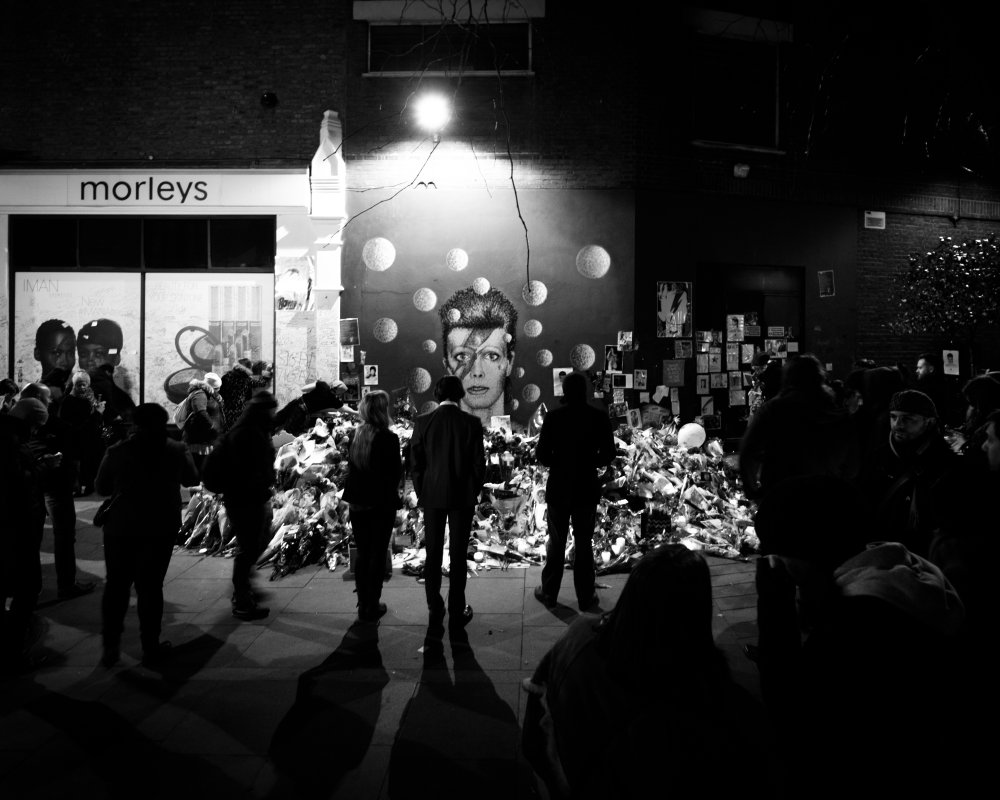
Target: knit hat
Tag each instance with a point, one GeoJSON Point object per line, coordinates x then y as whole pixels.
{"type": "Point", "coordinates": [104, 332]}
{"type": "Point", "coordinates": [911, 401]}
{"type": "Point", "coordinates": [904, 580]}
{"type": "Point", "coordinates": [213, 380]}
{"type": "Point", "coordinates": [30, 409]}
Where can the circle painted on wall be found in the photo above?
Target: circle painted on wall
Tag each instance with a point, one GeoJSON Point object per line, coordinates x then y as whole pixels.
{"type": "Point", "coordinates": [429, 345]}
{"type": "Point", "coordinates": [385, 329]}
{"type": "Point", "coordinates": [532, 328]}
{"type": "Point", "coordinates": [378, 254]}
{"type": "Point", "coordinates": [534, 293]}
{"type": "Point", "coordinates": [480, 286]}
{"type": "Point", "coordinates": [582, 357]}
{"type": "Point", "coordinates": [428, 407]}
{"type": "Point", "coordinates": [419, 380]}
{"type": "Point", "coordinates": [531, 393]}
{"type": "Point", "coordinates": [543, 357]}
{"type": "Point", "coordinates": [454, 315]}
{"type": "Point", "coordinates": [457, 259]}
{"type": "Point", "coordinates": [593, 261]}
{"type": "Point", "coordinates": [424, 299]}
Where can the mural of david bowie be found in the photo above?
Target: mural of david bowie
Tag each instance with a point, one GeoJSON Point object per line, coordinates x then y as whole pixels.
{"type": "Point", "coordinates": [479, 333]}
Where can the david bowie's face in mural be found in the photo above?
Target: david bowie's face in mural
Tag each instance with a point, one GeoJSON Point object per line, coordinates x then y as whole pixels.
{"type": "Point", "coordinates": [59, 352]}
{"type": "Point", "coordinates": [479, 358]}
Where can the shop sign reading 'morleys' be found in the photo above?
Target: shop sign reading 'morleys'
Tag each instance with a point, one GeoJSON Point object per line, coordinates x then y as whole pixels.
{"type": "Point", "coordinates": [145, 190]}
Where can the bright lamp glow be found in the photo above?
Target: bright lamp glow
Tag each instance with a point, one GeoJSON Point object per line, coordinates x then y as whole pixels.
{"type": "Point", "coordinates": [433, 112]}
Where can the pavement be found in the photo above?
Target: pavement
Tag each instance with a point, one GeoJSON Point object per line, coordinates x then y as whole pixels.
{"type": "Point", "coordinates": [304, 703]}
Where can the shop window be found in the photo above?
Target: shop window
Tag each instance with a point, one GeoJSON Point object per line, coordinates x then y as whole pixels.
{"type": "Point", "coordinates": [137, 243]}
{"type": "Point", "coordinates": [242, 242]}
{"type": "Point", "coordinates": [175, 243]}
{"type": "Point", "coordinates": [107, 242]}
{"type": "Point", "coordinates": [42, 242]}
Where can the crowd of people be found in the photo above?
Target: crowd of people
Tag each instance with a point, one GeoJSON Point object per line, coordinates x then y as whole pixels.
{"type": "Point", "coordinates": [873, 588]}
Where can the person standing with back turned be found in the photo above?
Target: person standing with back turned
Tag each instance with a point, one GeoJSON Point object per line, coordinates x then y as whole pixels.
{"type": "Point", "coordinates": [576, 441]}
{"type": "Point", "coordinates": [448, 466]}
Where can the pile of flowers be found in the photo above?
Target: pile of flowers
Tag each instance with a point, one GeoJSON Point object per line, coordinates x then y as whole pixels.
{"type": "Point", "coordinates": [656, 491]}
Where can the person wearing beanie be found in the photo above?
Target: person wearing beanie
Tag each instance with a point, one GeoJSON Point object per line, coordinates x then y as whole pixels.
{"type": "Point", "coordinates": [913, 478]}
{"type": "Point", "coordinates": [143, 473]}
{"type": "Point", "coordinates": [201, 416]}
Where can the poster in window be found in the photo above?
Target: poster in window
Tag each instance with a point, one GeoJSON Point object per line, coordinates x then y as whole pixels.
{"type": "Point", "coordinates": [673, 309]}
{"type": "Point", "coordinates": [78, 320]}
{"type": "Point", "coordinates": [205, 323]}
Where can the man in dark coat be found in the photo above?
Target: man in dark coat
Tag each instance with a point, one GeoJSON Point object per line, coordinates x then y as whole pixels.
{"type": "Point", "coordinates": [913, 479]}
{"type": "Point", "coordinates": [144, 472]}
{"type": "Point", "coordinates": [576, 443]}
{"type": "Point", "coordinates": [249, 464]}
{"type": "Point", "coordinates": [800, 432]}
{"type": "Point", "coordinates": [448, 467]}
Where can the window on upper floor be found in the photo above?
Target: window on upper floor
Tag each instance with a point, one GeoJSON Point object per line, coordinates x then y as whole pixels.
{"type": "Point", "coordinates": [736, 69]}
{"type": "Point", "coordinates": [458, 37]}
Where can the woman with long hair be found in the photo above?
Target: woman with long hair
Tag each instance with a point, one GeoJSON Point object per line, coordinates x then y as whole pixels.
{"type": "Point", "coordinates": [375, 469]}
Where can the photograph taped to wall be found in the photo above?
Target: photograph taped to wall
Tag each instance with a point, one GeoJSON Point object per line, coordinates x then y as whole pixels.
{"type": "Point", "coordinates": [734, 328]}
{"type": "Point", "coordinates": [635, 418]}
{"type": "Point", "coordinates": [673, 372]}
{"type": "Point", "coordinates": [673, 309]}
{"type": "Point", "coordinates": [624, 340]}
{"type": "Point", "coordinates": [718, 380]}
{"type": "Point", "coordinates": [949, 361]}
{"type": "Point", "coordinates": [621, 380]}
{"type": "Point", "coordinates": [701, 362]}
{"type": "Point", "coordinates": [371, 374]}
{"type": "Point", "coordinates": [617, 410]}
{"type": "Point", "coordinates": [112, 300]}
{"type": "Point", "coordinates": [205, 323]}
{"type": "Point", "coordinates": [612, 358]}
{"type": "Point", "coordinates": [639, 379]}
{"type": "Point", "coordinates": [350, 332]}
{"type": "Point", "coordinates": [702, 384]}
{"type": "Point", "coordinates": [735, 380]}
{"type": "Point", "coordinates": [732, 355]}
{"type": "Point", "coordinates": [347, 354]}
{"type": "Point", "coordinates": [715, 360]}
{"type": "Point", "coordinates": [683, 348]}
{"type": "Point", "coordinates": [708, 405]}
{"type": "Point", "coordinates": [558, 376]}
{"type": "Point", "coordinates": [776, 348]}
{"type": "Point", "coordinates": [747, 352]}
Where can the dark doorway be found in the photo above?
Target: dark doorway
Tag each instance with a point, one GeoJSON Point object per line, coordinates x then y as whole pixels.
{"type": "Point", "coordinates": [772, 295]}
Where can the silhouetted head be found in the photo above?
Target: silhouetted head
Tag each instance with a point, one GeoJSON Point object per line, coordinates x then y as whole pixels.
{"type": "Point", "coordinates": [574, 388]}
{"type": "Point", "coordinates": [449, 388]}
